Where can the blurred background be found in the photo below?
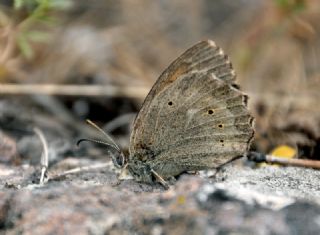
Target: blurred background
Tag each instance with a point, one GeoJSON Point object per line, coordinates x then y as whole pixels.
{"type": "Point", "coordinates": [124, 45]}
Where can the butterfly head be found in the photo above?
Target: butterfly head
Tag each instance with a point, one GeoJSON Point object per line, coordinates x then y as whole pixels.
{"type": "Point", "coordinates": [119, 160]}
{"type": "Point", "coordinates": [140, 171]}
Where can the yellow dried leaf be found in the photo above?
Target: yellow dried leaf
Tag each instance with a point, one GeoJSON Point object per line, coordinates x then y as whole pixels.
{"type": "Point", "coordinates": [282, 151]}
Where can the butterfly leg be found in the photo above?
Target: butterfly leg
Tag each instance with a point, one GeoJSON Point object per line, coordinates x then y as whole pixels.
{"type": "Point", "coordinates": [160, 179]}
{"type": "Point", "coordinates": [193, 172]}
{"type": "Point", "coordinates": [221, 167]}
{"type": "Point", "coordinates": [117, 183]}
{"type": "Point", "coordinates": [172, 180]}
{"type": "Point", "coordinates": [218, 170]}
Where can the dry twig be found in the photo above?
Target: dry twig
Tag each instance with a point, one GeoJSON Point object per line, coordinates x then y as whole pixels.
{"type": "Point", "coordinates": [260, 157]}
{"type": "Point", "coordinates": [81, 169]}
{"type": "Point", "coordinates": [73, 90]}
{"type": "Point", "coordinates": [44, 157]}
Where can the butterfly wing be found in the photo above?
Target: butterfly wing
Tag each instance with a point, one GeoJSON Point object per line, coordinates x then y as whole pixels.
{"type": "Point", "coordinates": [193, 118]}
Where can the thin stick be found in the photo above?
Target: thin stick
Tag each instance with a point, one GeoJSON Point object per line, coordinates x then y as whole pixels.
{"type": "Point", "coordinates": [73, 90]}
{"type": "Point", "coordinates": [293, 162]}
{"type": "Point", "coordinates": [80, 169]}
{"type": "Point", "coordinates": [44, 156]}
{"type": "Point", "coordinates": [260, 157]}
{"type": "Point", "coordinates": [118, 91]}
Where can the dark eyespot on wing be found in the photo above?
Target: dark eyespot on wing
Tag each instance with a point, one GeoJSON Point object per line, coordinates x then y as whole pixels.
{"type": "Point", "coordinates": [222, 100]}
{"type": "Point", "coordinates": [235, 86]}
{"type": "Point", "coordinates": [210, 111]}
{"type": "Point", "coordinates": [245, 100]}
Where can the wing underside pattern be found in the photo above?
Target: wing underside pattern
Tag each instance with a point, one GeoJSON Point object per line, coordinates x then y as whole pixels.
{"type": "Point", "coordinates": [193, 118]}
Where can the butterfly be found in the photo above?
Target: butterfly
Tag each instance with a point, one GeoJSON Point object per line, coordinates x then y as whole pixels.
{"type": "Point", "coordinates": [194, 118]}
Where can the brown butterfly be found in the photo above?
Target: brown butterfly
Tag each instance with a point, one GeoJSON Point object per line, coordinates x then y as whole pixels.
{"type": "Point", "coordinates": [194, 118]}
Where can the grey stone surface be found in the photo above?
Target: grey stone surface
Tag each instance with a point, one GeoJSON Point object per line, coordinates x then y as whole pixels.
{"type": "Point", "coordinates": [241, 200]}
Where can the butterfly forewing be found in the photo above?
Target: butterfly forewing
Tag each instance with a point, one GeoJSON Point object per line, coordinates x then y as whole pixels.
{"type": "Point", "coordinates": [204, 56]}
{"type": "Point", "coordinates": [193, 118]}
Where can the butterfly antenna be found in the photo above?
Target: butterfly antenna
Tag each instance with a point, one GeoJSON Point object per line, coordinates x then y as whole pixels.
{"type": "Point", "coordinates": [98, 142]}
{"type": "Point", "coordinates": [115, 162]}
{"type": "Point", "coordinates": [105, 134]}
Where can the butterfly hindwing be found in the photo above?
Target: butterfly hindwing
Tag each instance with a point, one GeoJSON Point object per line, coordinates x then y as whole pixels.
{"type": "Point", "coordinates": [200, 131]}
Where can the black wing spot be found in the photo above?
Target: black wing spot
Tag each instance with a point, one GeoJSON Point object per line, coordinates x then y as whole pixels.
{"type": "Point", "coordinates": [245, 100]}
{"type": "Point", "coordinates": [235, 86]}
{"type": "Point", "coordinates": [220, 126]}
{"type": "Point", "coordinates": [210, 111]}
{"type": "Point", "coordinates": [170, 103]}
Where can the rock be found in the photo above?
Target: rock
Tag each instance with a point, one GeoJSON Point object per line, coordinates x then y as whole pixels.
{"type": "Point", "coordinates": [91, 203]}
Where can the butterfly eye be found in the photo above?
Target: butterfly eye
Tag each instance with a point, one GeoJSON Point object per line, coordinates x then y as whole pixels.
{"type": "Point", "coordinates": [170, 103]}
{"type": "Point", "coordinates": [210, 111]}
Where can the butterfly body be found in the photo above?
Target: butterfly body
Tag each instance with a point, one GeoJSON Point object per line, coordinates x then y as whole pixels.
{"type": "Point", "coordinates": [142, 171]}
{"type": "Point", "coordinates": [194, 118]}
